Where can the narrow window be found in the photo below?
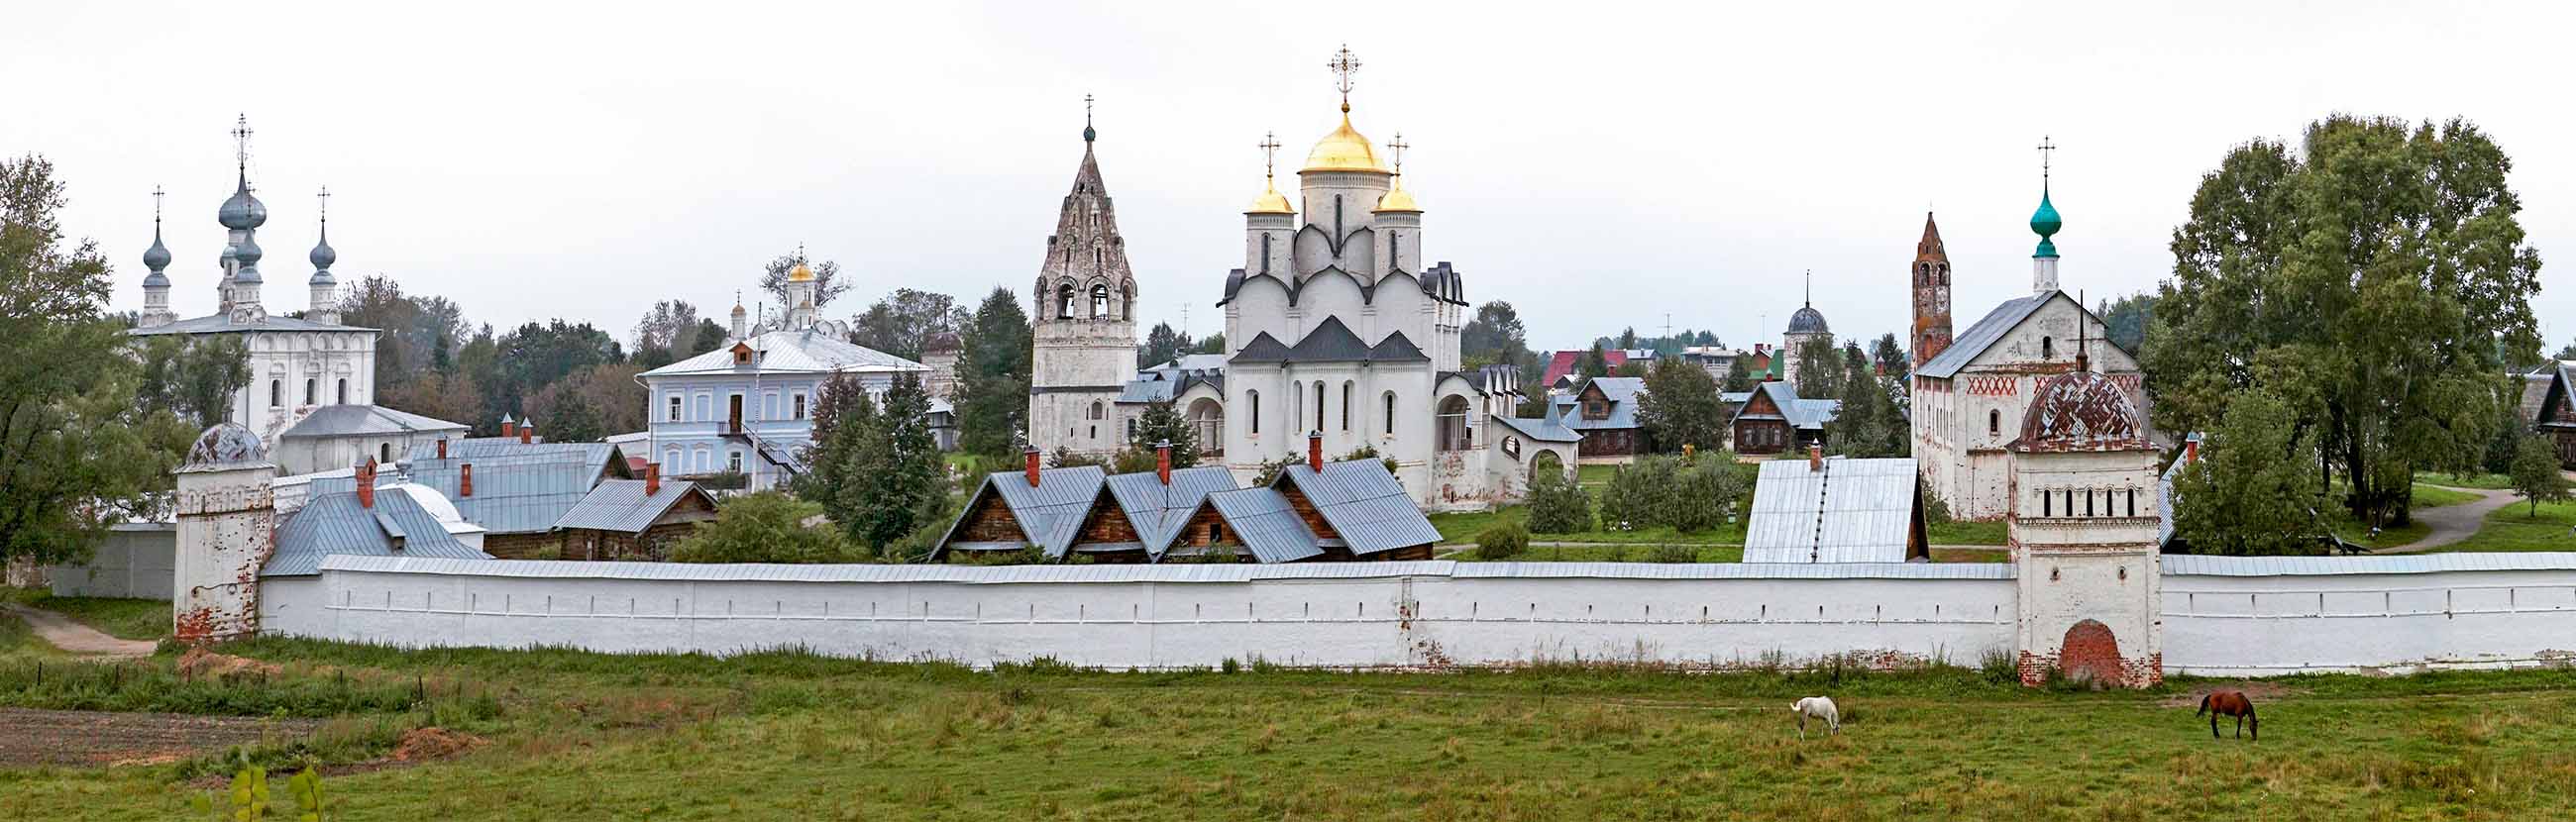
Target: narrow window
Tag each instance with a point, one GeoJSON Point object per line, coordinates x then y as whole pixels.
{"type": "Point", "coordinates": [1994, 423]}
{"type": "Point", "coordinates": [1319, 405]}
{"type": "Point", "coordinates": [1265, 252]}
{"type": "Point", "coordinates": [312, 390]}
{"type": "Point", "coordinates": [1252, 400]}
{"type": "Point", "coordinates": [733, 461]}
{"type": "Point", "coordinates": [2070, 502]}
{"type": "Point", "coordinates": [2133, 502]}
{"type": "Point", "coordinates": [2047, 348]}
{"type": "Point", "coordinates": [2088, 502]}
{"type": "Point", "coordinates": [276, 393]}
{"type": "Point", "coordinates": [1099, 301]}
{"type": "Point", "coordinates": [2047, 504]}
{"type": "Point", "coordinates": [384, 452]}
{"type": "Point", "coordinates": [1346, 406]}
{"type": "Point", "coordinates": [800, 406]}
{"type": "Point", "coordinates": [675, 414]}
{"type": "Point", "coordinates": [344, 391]}
{"type": "Point", "coordinates": [1064, 296]}
{"type": "Point", "coordinates": [1390, 413]}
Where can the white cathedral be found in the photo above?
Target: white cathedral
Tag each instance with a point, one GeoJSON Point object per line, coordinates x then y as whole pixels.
{"type": "Point", "coordinates": [1334, 329]}
{"type": "Point", "coordinates": [311, 394]}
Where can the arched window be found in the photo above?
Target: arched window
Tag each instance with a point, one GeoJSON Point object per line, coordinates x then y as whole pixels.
{"type": "Point", "coordinates": [343, 395]}
{"type": "Point", "coordinates": [276, 393]}
{"type": "Point", "coordinates": [2133, 502]}
{"type": "Point", "coordinates": [2047, 504]}
{"type": "Point", "coordinates": [384, 452]}
{"type": "Point", "coordinates": [1994, 423]}
{"type": "Point", "coordinates": [1097, 411]}
{"type": "Point", "coordinates": [2088, 503]}
{"type": "Point", "coordinates": [312, 390]}
{"type": "Point", "coordinates": [1252, 408]}
{"type": "Point", "coordinates": [1453, 432]}
{"type": "Point", "coordinates": [1064, 301]}
{"type": "Point", "coordinates": [2047, 348]}
{"type": "Point", "coordinates": [1390, 413]}
{"type": "Point", "coordinates": [1346, 404]}
{"type": "Point", "coordinates": [1099, 301]}
{"type": "Point", "coordinates": [1127, 302]}
{"type": "Point", "coordinates": [1319, 405]}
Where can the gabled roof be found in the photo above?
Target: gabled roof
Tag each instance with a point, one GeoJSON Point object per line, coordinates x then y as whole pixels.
{"type": "Point", "coordinates": [1799, 413]}
{"type": "Point", "coordinates": [2562, 388]}
{"type": "Point", "coordinates": [800, 351]}
{"type": "Point", "coordinates": [1266, 524]}
{"type": "Point", "coordinates": [1965, 347]}
{"type": "Point", "coordinates": [1544, 430]}
{"type": "Point", "coordinates": [1621, 392]}
{"type": "Point", "coordinates": [518, 488]}
{"type": "Point", "coordinates": [223, 324]}
{"type": "Point", "coordinates": [1855, 510]}
{"type": "Point", "coordinates": [334, 523]}
{"type": "Point", "coordinates": [1048, 514]}
{"type": "Point", "coordinates": [1562, 363]}
{"type": "Point", "coordinates": [1158, 510]}
{"type": "Point", "coordinates": [1262, 348]}
{"type": "Point", "coordinates": [1365, 504]}
{"type": "Point", "coordinates": [621, 505]}
{"type": "Point", "coordinates": [361, 420]}
{"type": "Point", "coordinates": [1397, 348]}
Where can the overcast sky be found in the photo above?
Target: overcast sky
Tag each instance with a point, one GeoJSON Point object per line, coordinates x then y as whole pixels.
{"type": "Point", "coordinates": [1596, 165]}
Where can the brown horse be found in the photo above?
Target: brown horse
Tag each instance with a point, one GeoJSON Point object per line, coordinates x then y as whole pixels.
{"type": "Point", "coordinates": [2230, 703]}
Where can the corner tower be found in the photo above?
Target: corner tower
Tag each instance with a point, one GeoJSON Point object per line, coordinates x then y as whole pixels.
{"type": "Point", "coordinates": [1083, 347]}
{"type": "Point", "coordinates": [1931, 294]}
{"type": "Point", "coordinates": [2083, 530]}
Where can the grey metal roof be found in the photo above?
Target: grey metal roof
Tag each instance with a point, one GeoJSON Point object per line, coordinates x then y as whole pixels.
{"type": "Point", "coordinates": [622, 505]}
{"type": "Point", "coordinates": [1965, 347]}
{"type": "Point", "coordinates": [360, 420]}
{"type": "Point", "coordinates": [223, 324]}
{"type": "Point", "coordinates": [1734, 570]}
{"type": "Point", "coordinates": [1262, 348]}
{"type": "Point", "coordinates": [1048, 514]}
{"type": "Point", "coordinates": [1621, 392]}
{"type": "Point", "coordinates": [2217, 566]}
{"type": "Point", "coordinates": [1158, 510]}
{"type": "Point", "coordinates": [1801, 413]}
{"type": "Point", "coordinates": [803, 350]}
{"type": "Point", "coordinates": [1855, 510]}
{"type": "Point", "coordinates": [1166, 572]}
{"type": "Point", "coordinates": [1364, 503]}
{"type": "Point", "coordinates": [1546, 430]}
{"type": "Point", "coordinates": [1807, 320]}
{"type": "Point", "coordinates": [1331, 341]}
{"type": "Point", "coordinates": [335, 524]}
{"type": "Point", "coordinates": [1266, 524]}
{"type": "Point", "coordinates": [518, 489]}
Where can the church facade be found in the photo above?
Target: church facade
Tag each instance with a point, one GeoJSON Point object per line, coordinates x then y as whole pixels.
{"type": "Point", "coordinates": [1972, 391]}
{"type": "Point", "coordinates": [312, 383]}
{"type": "Point", "coordinates": [1334, 326]}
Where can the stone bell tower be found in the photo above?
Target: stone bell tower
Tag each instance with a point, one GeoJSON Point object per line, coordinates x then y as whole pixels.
{"type": "Point", "coordinates": [1083, 328]}
{"type": "Point", "coordinates": [226, 528]}
{"type": "Point", "coordinates": [1931, 294]}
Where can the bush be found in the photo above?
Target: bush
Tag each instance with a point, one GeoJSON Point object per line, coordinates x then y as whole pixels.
{"type": "Point", "coordinates": [1673, 554]}
{"type": "Point", "coordinates": [1687, 496]}
{"type": "Point", "coordinates": [1502, 541]}
{"type": "Point", "coordinates": [1558, 506]}
{"type": "Point", "coordinates": [765, 527]}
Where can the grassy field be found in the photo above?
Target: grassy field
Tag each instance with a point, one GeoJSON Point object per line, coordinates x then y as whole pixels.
{"type": "Point", "coordinates": [2514, 528]}
{"type": "Point", "coordinates": [789, 736]}
{"type": "Point", "coordinates": [2434, 496]}
{"type": "Point", "coordinates": [2488, 482]}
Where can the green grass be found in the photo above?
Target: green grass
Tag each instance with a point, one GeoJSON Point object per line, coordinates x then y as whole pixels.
{"type": "Point", "coordinates": [121, 618]}
{"type": "Point", "coordinates": [790, 736]}
{"type": "Point", "coordinates": [1959, 532]}
{"type": "Point", "coordinates": [1611, 552]}
{"type": "Point", "coordinates": [1462, 527]}
{"type": "Point", "coordinates": [1594, 476]}
{"type": "Point", "coordinates": [2435, 496]}
{"type": "Point", "coordinates": [2514, 528]}
{"type": "Point", "coordinates": [2485, 482]}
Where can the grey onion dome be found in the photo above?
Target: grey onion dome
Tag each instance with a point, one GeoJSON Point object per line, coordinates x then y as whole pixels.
{"type": "Point", "coordinates": [323, 257]}
{"type": "Point", "coordinates": [247, 252]}
{"type": "Point", "coordinates": [1807, 320]}
{"type": "Point", "coordinates": [242, 211]}
{"type": "Point", "coordinates": [157, 257]}
{"type": "Point", "coordinates": [227, 445]}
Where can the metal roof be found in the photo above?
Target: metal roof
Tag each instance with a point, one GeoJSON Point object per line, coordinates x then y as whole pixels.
{"type": "Point", "coordinates": [1048, 514]}
{"type": "Point", "coordinates": [1367, 507]}
{"type": "Point", "coordinates": [1965, 347]}
{"type": "Point", "coordinates": [1158, 510]}
{"type": "Point", "coordinates": [223, 324]}
{"type": "Point", "coordinates": [1800, 413]}
{"type": "Point", "coordinates": [2217, 566]}
{"type": "Point", "coordinates": [1266, 524]}
{"type": "Point", "coordinates": [355, 420]}
{"type": "Point", "coordinates": [1735, 570]}
{"type": "Point", "coordinates": [518, 489]}
{"type": "Point", "coordinates": [1550, 429]}
{"type": "Point", "coordinates": [622, 505]}
{"type": "Point", "coordinates": [1855, 510]}
{"type": "Point", "coordinates": [335, 524]}
{"type": "Point", "coordinates": [1213, 573]}
{"type": "Point", "coordinates": [804, 350]}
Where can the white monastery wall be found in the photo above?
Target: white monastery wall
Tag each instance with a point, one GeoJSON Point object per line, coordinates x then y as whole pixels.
{"type": "Point", "coordinates": [2263, 616]}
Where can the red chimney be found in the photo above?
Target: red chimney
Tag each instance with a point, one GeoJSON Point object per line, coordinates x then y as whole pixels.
{"type": "Point", "coordinates": [367, 483]}
{"type": "Point", "coordinates": [509, 428]}
{"type": "Point", "coordinates": [1315, 451]}
{"type": "Point", "coordinates": [527, 434]}
{"type": "Point", "coordinates": [1032, 457]}
{"type": "Point", "coordinates": [1163, 461]}
{"type": "Point", "coordinates": [2190, 451]}
{"type": "Point", "coordinates": [1815, 457]}
{"type": "Point", "coordinates": [465, 480]}
{"type": "Point", "coordinates": [652, 479]}
{"type": "Point", "coordinates": [442, 448]}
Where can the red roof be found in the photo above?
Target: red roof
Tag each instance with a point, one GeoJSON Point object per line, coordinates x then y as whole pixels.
{"type": "Point", "coordinates": [1565, 362]}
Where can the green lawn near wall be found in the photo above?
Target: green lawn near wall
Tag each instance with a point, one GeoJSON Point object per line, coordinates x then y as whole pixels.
{"type": "Point", "coordinates": [2515, 528]}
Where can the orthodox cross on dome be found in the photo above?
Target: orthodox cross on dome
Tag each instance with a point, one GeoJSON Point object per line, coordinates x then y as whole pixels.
{"type": "Point", "coordinates": [2045, 149]}
{"type": "Point", "coordinates": [1396, 148]}
{"type": "Point", "coordinates": [241, 142]}
{"type": "Point", "coordinates": [325, 196]}
{"type": "Point", "coordinates": [156, 207]}
{"type": "Point", "coordinates": [1269, 154]}
{"type": "Point", "coordinates": [1343, 66]}
{"type": "Point", "coordinates": [1811, 288]}
{"type": "Point", "coordinates": [1087, 133]}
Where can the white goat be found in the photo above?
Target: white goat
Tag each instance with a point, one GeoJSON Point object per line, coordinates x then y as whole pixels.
{"type": "Point", "coordinates": [1819, 708]}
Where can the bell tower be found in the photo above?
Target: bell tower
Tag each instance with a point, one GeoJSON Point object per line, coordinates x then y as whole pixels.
{"type": "Point", "coordinates": [1931, 294]}
{"type": "Point", "coordinates": [1083, 350]}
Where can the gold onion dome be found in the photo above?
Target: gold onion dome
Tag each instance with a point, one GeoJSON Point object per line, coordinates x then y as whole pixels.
{"type": "Point", "coordinates": [1270, 202]}
{"type": "Point", "coordinates": [800, 273]}
{"type": "Point", "coordinates": [1344, 150]}
{"type": "Point", "coordinates": [1398, 199]}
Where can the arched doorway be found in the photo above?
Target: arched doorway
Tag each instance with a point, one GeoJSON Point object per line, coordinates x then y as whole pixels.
{"type": "Point", "coordinates": [1546, 463]}
{"type": "Point", "coordinates": [1452, 430]}
{"type": "Point", "coordinates": [2090, 653]}
{"type": "Point", "coordinates": [1207, 418]}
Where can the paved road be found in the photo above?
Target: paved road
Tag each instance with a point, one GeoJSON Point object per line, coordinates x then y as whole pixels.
{"type": "Point", "coordinates": [77, 639]}
{"type": "Point", "coordinates": [2452, 523]}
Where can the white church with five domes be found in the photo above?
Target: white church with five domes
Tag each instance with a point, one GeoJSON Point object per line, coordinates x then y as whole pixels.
{"type": "Point", "coordinates": [1335, 328]}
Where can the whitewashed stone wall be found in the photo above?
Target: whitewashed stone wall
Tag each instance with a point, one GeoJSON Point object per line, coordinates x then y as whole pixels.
{"type": "Point", "coordinates": [2228, 616]}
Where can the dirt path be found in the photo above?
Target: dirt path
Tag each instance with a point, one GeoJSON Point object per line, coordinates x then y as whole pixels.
{"type": "Point", "coordinates": [2452, 523]}
{"type": "Point", "coordinates": [77, 639]}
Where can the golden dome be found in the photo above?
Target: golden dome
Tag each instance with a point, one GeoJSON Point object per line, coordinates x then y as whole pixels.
{"type": "Point", "coordinates": [1397, 199]}
{"type": "Point", "coordinates": [1343, 150]}
{"type": "Point", "coordinates": [1270, 202]}
{"type": "Point", "coordinates": [800, 273]}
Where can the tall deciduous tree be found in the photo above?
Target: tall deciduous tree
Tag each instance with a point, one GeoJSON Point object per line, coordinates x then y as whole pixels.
{"type": "Point", "coordinates": [1496, 336]}
{"type": "Point", "coordinates": [77, 450]}
{"type": "Point", "coordinates": [2124, 321]}
{"type": "Point", "coordinates": [416, 329]}
{"type": "Point", "coordinates": [1868, 423]}
{"type": "Point", "coordinates": [901, 322]}
{"type": "Point", "coordinates": [2535, 473]}
{"type": "Point", "coordinates": [1820, 369]}
{"type": "Point", "coordinates": [192, 377]}
{"type": "Point", "coordinates": [1680, 407]}
{"type": "Point", "coordinates": [2367, 279]}
{"type": "Point", "coordinates": [993, 378]}
{"type": "Point", "coordinates": [2255, 489]}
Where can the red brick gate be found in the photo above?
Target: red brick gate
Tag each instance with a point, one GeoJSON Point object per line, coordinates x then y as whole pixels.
{"type": "Point", "coordinates": [2091, 653]}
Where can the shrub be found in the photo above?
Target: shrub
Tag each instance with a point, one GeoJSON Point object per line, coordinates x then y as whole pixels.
{"type": "Point", "coordinates": [765, 527]}
{"type": "Point", "coordinates": [1558, 506]}
{"type": "Point", "coordinates": [1687, 496]}
{"type": "Point", "coordinates": [1502, 541]}
{"type": "Point", "coordinates": [1673, 554]}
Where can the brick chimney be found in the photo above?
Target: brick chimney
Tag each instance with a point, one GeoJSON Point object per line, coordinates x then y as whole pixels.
{"type": "Point", "coordinates": [1031, 456]}
{"type": "Point", "coordinates": [1163, 461]}
{"type": "Point", "coordinates": [442, 448]}
{"type": "Point", "coordinates": [1815, 457]}
{"type": "Point", "coordinates": [527, 433]}
{"type": "Point", "coordinates": [509, 427]}
{"type": "Point", "coordinates": [652, 479]}
{"type": "Point", "coordinates": [367, 483]}
{"type": "Point", "coordinates": [1315, 451]}
{"type": "Point", "coordinates": [465, 480]}
{"type": "Point", "coordinates": [2190, 451]}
